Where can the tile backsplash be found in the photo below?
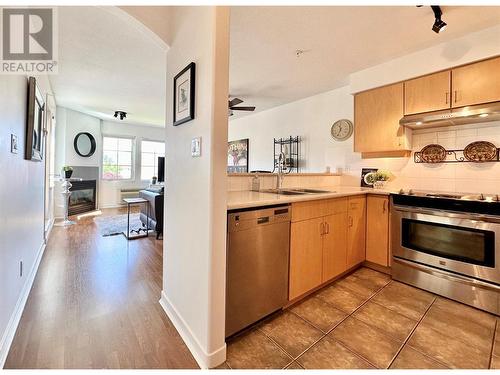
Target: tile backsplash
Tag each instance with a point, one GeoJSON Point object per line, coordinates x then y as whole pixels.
{"type": "Point", "coordinates": [453, 177]}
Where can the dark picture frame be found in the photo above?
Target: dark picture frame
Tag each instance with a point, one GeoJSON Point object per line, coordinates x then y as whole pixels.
{"type": "Point", "coordinates": [184, 95]}
{"type": "Point", "coordinates": [236, 151]}
{"type": "Point", "coordinates": [364, 172]}
{"type": "Point", "coordinates": [35, 122]}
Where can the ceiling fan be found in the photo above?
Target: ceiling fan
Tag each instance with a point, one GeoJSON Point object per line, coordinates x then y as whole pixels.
{"type": "Point", "coordinates": [234, 102]}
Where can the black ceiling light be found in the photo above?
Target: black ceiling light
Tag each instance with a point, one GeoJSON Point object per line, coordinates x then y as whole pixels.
{"type": "Point", "coordinates": [439, 24]}
{"type": "Point", "coordinates": [120, 114]}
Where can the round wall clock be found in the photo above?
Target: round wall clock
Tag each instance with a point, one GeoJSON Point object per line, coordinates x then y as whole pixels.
{"type": "Point", "coordinates": [341, 130]}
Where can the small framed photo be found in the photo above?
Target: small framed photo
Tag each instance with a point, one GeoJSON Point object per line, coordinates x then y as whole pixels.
{"type": "Point", "coordinates": [364, 172]}
{"type": "Point", "coordinates": [184, 94]}
{"type": "Point", "coordinates": [237, 156]}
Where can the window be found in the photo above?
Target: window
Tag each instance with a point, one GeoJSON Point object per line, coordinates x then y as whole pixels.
{"type": "Point", "coordinates": [116, 158]}
{"type": "Point", "coordinates": [149, 158]}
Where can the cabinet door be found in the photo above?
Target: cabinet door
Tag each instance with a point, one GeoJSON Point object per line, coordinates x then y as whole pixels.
{"type": "Point", "coordinates": [306, 256]}
{"type": "Point", "coordinates": [428, 93]}
{"type": "Point", "coordinates": [476, 83]}
{"type": "Point", "coordinates": [376, 120]}
{"type": "Point", "coordinates": [335, 246]}
{"type": "Point", "coordinates": [377, 229]}
{"type": "Point", "coordinates": [356, 231]}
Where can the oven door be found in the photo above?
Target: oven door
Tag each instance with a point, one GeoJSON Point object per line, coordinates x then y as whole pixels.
{"type": "Point", "coordinates": [461, 243]}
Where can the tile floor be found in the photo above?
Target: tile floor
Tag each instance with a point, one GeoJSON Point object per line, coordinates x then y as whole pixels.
{"type": "Point", "coordinates": [365, 320]}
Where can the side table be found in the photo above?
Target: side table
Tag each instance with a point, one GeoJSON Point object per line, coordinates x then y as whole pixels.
{"type": "Point", "coordinates": [129, 235]}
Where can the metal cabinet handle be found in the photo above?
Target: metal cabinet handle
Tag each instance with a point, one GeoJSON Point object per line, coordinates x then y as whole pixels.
{"type": "Point", "coordinates": [321, 228]}
{"type": "Point", "coordinates": [327, 228]}
{"type": "Point", "coordinates": [446, 102]}
{"type": "Point", "coordinates": [456, 95]}
{"type": "Point", "coordinates": [384, 208]}
{"type": "Point", "coordinates": [351, 221]}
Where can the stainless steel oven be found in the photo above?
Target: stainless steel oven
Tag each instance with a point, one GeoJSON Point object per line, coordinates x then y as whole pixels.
{"type": "Point", "coordinates": [450, 252]}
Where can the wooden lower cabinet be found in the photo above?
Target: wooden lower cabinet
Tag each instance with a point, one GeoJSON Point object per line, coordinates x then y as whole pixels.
{"type": "Point", "coordinates": [356, 231]}
{"type": "Point", "coordinates": [335, 246]}
{"type": "Point", "coordinates": [377, 230]}
{"type": "Point", "coordinates": [306, 256]}
{"type": "Point", "coordinates": [322, 244]}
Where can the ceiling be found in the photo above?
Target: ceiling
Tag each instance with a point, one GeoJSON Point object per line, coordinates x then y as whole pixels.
{"type": "Point", "coordinates": [338, 41]}
{"type": "Point", "coordinates": [107, 64]}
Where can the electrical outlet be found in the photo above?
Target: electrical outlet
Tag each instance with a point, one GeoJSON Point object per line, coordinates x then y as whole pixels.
{"type": "Point", "coordinates": [21, 268]}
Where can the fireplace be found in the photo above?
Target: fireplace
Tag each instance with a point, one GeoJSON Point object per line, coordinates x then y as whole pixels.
{"type": "Point", "coordinates": [83, 197]}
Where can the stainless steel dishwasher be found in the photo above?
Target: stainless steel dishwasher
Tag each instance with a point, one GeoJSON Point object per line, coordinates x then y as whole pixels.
{"type": "Point", "coordinates": [257, 265]}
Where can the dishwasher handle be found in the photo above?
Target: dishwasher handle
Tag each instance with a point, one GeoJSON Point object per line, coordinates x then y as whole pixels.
{"type": "Point", "coordinates": [242, 220]}
{"type": "Point", "coordinates": [263, 220]}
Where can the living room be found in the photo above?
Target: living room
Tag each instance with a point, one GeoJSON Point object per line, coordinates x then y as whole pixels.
{"type": "Point", "coordinates": [109, 118]}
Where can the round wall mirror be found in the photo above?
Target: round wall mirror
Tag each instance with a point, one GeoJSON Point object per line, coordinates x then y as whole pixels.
{"type": "Point", "coordinates": [84, 144]}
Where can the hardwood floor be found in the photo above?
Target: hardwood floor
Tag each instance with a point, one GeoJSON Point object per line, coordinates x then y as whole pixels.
{"type": "Point", "coordinates": [94, 304]}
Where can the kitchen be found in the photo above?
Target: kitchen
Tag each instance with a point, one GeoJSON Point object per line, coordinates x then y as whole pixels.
{"type": "Point", "coordinates": [357, 267]}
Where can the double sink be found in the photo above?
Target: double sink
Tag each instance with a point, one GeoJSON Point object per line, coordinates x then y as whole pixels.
{"type": "Point", "coordinates": [295, 191]}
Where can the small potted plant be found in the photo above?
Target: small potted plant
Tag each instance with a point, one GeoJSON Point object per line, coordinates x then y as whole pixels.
{"type": "Point", "coordinates": [378, 179]}
{"type": "Point", "coordinates": [67, 171]}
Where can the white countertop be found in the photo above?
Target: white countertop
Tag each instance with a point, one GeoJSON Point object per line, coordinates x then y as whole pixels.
{"type": "Point", "coordinates": [246, 199]}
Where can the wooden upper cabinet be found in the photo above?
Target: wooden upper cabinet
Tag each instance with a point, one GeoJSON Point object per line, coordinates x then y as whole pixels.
{"type": "Point", "coordinates": [376, 120]}
{"type": "Point", "coordinates": [476, 83]}
{"type": "Point", "coordinates": [377, 229]}
{"type": "Point", "coordinates": [428, 93]}
{"type": "Point", "coordinates": [356, 231]}
{"type": "Point", "coordinates": [334, 246]}
{"type": "Point", "coordinates": [306, 256]}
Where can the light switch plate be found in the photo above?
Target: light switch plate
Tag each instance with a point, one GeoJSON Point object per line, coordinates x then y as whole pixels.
{"type": "Point", "coordinates": [196, 147]}
{"type": "Point", "coordinates": [13, 143]}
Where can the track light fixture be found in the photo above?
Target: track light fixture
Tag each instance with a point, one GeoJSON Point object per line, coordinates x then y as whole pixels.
{"type": "Point", "coordinates": [439, 24]}
{"type": "Point", "coordinates": [120, 114]}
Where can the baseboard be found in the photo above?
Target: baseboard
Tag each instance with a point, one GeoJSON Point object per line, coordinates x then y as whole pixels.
{"type": "Point", "coordinates": [49, 230]}
{"type": "Point", "coordinates": [377, 267]}
{"type": "Point", "coordinates": [205, 360]}
{"type": "Point", "coordinates": [11, 329]}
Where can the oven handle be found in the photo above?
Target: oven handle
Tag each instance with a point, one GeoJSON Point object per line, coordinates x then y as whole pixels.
{"type": "Point", "coordinates": [448, 275]}
{"type": "Point", "coordinates": [457, 215]}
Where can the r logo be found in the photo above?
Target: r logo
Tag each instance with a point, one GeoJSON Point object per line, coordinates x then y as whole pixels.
{"type": "Point", "coordinates": [27, 34]}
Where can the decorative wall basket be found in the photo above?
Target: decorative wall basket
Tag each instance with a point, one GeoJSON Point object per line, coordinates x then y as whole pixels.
{"type": "Point", "coordinates": [475, 152]}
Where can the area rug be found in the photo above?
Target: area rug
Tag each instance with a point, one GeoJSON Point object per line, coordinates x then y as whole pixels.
{"type": "Point", "coordinates": [114, 225]}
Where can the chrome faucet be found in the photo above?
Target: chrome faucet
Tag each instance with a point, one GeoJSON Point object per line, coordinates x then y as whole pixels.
{"type": "Point", "coordinates": [281, 164]}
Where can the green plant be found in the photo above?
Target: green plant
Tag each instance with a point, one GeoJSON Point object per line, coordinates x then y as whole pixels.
{"type": "Point", "coordinates": [67, 168]}
{"type": "Point", "coordinates": [380, 175]}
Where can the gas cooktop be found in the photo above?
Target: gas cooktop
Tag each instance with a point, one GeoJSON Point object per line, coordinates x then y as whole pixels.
{"type": "Point", "coordinates": [488, 204]}
{"type": "Point", "coordinates": [444, 195]}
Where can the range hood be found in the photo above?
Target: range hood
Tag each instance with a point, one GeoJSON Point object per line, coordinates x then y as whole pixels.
{"type": "Point", "coordinates": [457, 116]}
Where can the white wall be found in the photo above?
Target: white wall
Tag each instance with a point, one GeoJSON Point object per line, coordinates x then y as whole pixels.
{"type": "Point", "coordinates": [21, 207]}
{"type": "Point", "coordinates": [71, 122]}
{"type": "Point", "coordinates": [195, 198]}
{"type": "Point", "coordinates": [309, 118]}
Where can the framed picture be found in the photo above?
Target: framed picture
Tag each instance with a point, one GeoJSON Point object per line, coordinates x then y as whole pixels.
{"type": "Point", "coordinates": [184, 90]}
{"type": "Point", "coordinates": [364, 172]}
{"type": "Point", "coordinates": [35, 122]}
{"type": "Point", "coordinates": [237, 156]}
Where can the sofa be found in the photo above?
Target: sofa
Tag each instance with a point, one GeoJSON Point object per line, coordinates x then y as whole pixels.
{"type": "Point", "coordinates": [155, 205]}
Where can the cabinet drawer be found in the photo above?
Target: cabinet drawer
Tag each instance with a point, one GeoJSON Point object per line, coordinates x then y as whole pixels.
{"type": "Point", "coordinates": [308, 210]}
{"type": "Point", "coordinates": [336, 206]}
{"type": "Point", "coordinates": [319, 208]}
